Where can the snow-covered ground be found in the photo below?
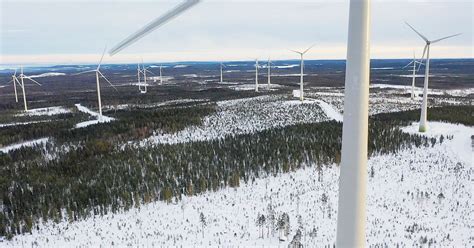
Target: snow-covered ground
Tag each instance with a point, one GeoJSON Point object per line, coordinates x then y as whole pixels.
{"type": "Point", "coordinates": [330, 111]}
{"type": "Point", "coordinates": [417, 193]}
{"type": "Point", "coordinates": [21, 123]}
{"type": "Point", "coordinates": [48, 74]}
{"type": "Point", "coordinates": [29, 143]}
{"type": "Point", "coordinates": [246, 115]}
{"type": "Point", "coordinates": [245, 87]}
{"type": "Point", "coordinates": [387, 100]}
{"type": "Point", "coordinates": [49, 111]}
{"type": "Point", "coordinates": [100, 119]}
{"type": "Point", "coordinates": [461, 145]}
{"type": "Point", "coordinates": [155, 105]}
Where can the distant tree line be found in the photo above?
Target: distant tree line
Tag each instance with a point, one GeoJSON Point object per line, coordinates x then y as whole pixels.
{"type": "Point", "coordinates": [131, 124]}
{"type": "Point", "coordinates": [463, 114]}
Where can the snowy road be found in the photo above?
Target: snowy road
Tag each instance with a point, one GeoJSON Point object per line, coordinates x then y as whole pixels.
{"type": "Point", "coordinates": [29, 143]}
{"type": "Point", "coordinates": [103, 119]}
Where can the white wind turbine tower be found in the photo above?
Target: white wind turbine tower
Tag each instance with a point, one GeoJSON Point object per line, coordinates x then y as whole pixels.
{"type": "Point", "coordinates": [15, 81]}
{"type": "Point", "coordinates": [302, 69]}
{"type": "Point", "coordinates": [144, 71]}
{"type": "Point", "coordinates": [161, 75]}
{"type": "Point", "coordinates": [414, 62]}
{"type": "Point", "coordinates": [139, 74]}
{"type": "Point", "coordinates": [222, 68]}
{"type": "Point", "coordinates": [22, 84]}
{"type": "Point", "coordinates": [256, 75]}
{"type": "Point", "coordinates": [269, 66]}
{"type": "Point", "coordinates": [423, 124]}
{"type": "Point", "coordinates": [351, 215]}
{"type": "Point", "coordinates": [99, 75]}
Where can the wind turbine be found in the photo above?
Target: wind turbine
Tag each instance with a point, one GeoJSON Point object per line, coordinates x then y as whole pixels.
{"type": "Point", "coordinates": [222, 68]}
{"type": "Point", "coordinates": [144, 71]}
{"type": "Point", "coordinates": [15, 81]}
{"type": "Point", "coordinates": [423, 125]}
{"type": "Point", "coordinates": [269, 66]}
{"type": "Point", "coordinates": [98, 75]}
{"type": "Point", "coordinates": [256, 75]}
{"type": "Point", "coordinates": [161, 75]}
{"type": "Point", "coordinates": [414, 62]}
{"type": "Point", "coordinates": [351, 215]}
{"type": "Point", "coordinates": [139, 73]}
{"type": "Point", "coordinates": [22, 84]}
{"type": "Point", "coordinates": [302, 69]}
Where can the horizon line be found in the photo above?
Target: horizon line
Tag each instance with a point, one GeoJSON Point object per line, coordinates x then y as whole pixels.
{"type": "Point", "coordinates": [38, 64]}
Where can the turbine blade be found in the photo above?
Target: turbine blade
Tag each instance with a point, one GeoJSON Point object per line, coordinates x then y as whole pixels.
{"type": "Point", "coordinates": [422, 36]}
{"type": "Point", "coordinates": [16, 81]}
{"type": "Point", "coordinates": [149, 71]}
{"type": "Point", "coordinates": [33, 80]}
{"type": "Point", "coordinates": [84, 72]}
{"type": "Point", "coordinates": [296, 51]}
{"type": "Point", "coordinates": [444, 38]}
{"type": "Point", "coordinates": [424, 52]}
{"type": "Point", "coordinates": [309, 48]}
{"type": "Point", "coordinates": [153, 25]}
{"type": "Point", "coordinates": [107, 80]}
{"type": "Point", "coordinates": [408, 65]}
{"type": "Point", "coordinates": [101, 58]}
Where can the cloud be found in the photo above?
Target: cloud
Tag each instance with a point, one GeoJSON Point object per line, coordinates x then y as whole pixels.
{"type": "Point", "coordinates": [224, 29]}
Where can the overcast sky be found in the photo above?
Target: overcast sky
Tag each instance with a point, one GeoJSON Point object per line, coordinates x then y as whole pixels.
{"type": "Point", "coordinates": [76, 31]}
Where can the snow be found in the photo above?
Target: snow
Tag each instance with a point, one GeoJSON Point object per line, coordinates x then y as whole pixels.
{"type": "Point", "coordinates": [384, 68]}
{"type": "Point", "coordinates": [180, 66]}
{"type": "Point", "coordinates": [100, 119]}
{"type": "Point", "coordinates": [330, 111]}
{"type": "Point", "coordinates": [286, 66]}
{"type": "Point", "coordinates": [289, 75]}
{"type": "Point", "coordinates": [339, 94]}
{"type": "Point", "coordinates": [91, 122]}
{"type": "Point", "coordinates": [48, 74]}
{"type": "Point", "coordinates": [411, 76]}
{"type": "Point", "coordinates": [157, 66]}
{"type": "Point", "coordinates": [29, 143]}
{"type": "Point", "coordinates": [157, 78]}
{"type": "Point", "coordinates": [49, 111]}
{"type": "Point", "coordinates": [190, 75]}
{"type": "Point", "coordinates": [392, 86]}
{"type": "Point", "coordinates": [462, 143]}
{"type": "Point", "coordinates": [261, 86]}
{"type": "Point", "coordinates": [21, 123]}
{"type": "Point", "coordinates": [461, 92]}
{"type": "Point", "coordinates": [154, 105]}
{"type": "Point", "coordinates": [245, 87]}
{"type": "Point", "coordinates": [297, 93]}
{"type": "Point", "coordinates": [402, 206]}
{"type": "Point", "coordinates": [242, 116]}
